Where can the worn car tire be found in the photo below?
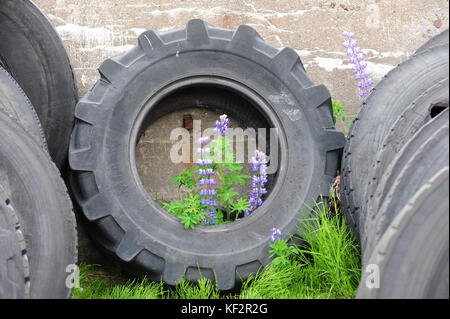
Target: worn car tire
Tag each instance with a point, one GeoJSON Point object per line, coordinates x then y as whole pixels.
{"type": "Point", "coordinates": [421, 111]}
{"type": "Point", "coordinates": [412, 257]}
{"type": "Point", "coordinates": [16, 103]}
{"type": "Point", "coordinates": [425, 108]}
{"type": "Point", "coordinates": [129, 223]}
{"type": "Point", "coordinates": [425, 155]}
{"type": "Point", "coordinates": [32, 52]}
{"type": "Point", "coordinates": [14, 267]}
{"type": "Point", "coordinates": [391, 96]}
{"type": "Point", "coordinates": [40, 199]}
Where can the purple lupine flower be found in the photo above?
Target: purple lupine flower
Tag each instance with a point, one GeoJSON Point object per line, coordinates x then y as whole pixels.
{"type": "Point", "coordinates": [221, 125]}
{"type": "Point", "coordinates": [203, 151]}
{"type": "Point", "coordinates": [205, 173]}
{"type": "Point", "coordinates": [212, 216]}
{"type": "Point", "coordinates": [275, 234]}
{"type": "Point", "coordinates": [203, 140]}
{"type": "Point", "coordinates": [259, 166]}
{"type": "Point", "coordinates": [206, 181]}
{"type": "Point", "coordinates": [356, 58]}
{"type": "Point", "coordinates": [202, 162]}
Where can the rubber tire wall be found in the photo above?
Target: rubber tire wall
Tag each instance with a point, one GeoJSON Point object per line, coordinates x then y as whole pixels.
{"type": "Point", "coordinates": [128, 222]}
{"type": "Point", "coordinates": [412, 119]}
{"type": "Point", "coordinates": [413, 254]}
{"type": "Point", "coordinates": [425, 154]}
{"type": "Point", "coordinates": [14, 266]}
{"type": "Point", "coordinates": [391, 96]}
{"type": "Point", "coordinates": [17, 104]}
{"type": "Point", "coordinates": [40, 199]}
{"type": "Point", "coordinates": [33, 53]}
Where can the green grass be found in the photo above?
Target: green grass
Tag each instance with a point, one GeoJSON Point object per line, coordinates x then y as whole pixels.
{"type": "Point", "coordinates": [328, 268]}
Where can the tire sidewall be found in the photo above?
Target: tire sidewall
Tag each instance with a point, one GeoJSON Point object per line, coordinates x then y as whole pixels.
{"type": "Point", "coordinates": [163, 234]}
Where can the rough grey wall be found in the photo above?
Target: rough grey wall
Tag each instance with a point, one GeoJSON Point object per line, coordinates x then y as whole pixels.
{"type": "Point", "coordinates": [389, 31]}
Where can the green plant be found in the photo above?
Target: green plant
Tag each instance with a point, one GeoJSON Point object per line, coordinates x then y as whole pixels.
{"type": "Point", "coordinates": [340, 114]}
{"type": "Point", "coordinates": [282, 253]}
{"type": "Point", "coordinates": [327, 261]}
{"type": "Point", "coordinates": [203, 289]}
{"type": "Point", "coordinates": [229, 173]}
{"type": "Point", "coordinates": [356, 57]}
{"type": "Point", "coordinates": [189, 209]}
{"type": "Point", "coordinates": [207, 202]}
{"type": "Point", "coordinates": [185, 179]}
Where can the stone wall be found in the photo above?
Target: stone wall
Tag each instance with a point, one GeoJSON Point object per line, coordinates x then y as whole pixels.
{"type": "Point", "coordinates": [389, 31]}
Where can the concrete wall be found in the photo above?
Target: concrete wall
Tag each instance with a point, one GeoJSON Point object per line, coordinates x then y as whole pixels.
{"type": "Point", "coordinates": [389, 31]}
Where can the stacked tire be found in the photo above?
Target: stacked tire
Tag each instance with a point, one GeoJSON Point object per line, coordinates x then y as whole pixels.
{"type": "Point", "coordinates": [37, 97]}
{"type": "Point", "coordinates": [395, 178]}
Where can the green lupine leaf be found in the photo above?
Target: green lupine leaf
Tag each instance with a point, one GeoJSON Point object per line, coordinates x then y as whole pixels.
{"type": "Point", "coordinates": [241, 205]}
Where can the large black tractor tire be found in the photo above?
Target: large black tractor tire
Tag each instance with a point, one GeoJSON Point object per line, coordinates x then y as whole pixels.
{"type": "Point", "coordinates": [411, 260]}
{"type": "Point", "coordinates": [14, 267]}
{"type": "Point", "coordinates": [441, 38]}
{"type": "Point", "coordinates": [389, 99]}
{"type": "Point", "coordinates": [425, 155]}
{"type": "Point", "coordinates": [128, 222]}
{"type": "Point", "coordinates": [38, 194]}
{"type": "Point", "coordinates": [32, 52]}
{"type": "Point", "coordinates": [17, 104]}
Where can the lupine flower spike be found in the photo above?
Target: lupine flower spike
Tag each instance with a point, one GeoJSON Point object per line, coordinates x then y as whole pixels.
{"type": "Point", "coordinates": [365, 83]}
{"type": "Point", "coordinates": [222, 125]}
{"type": "Point", "coordinates": [275, 235]}
{"type": "Point", "coordinates": [259, 166]}
{"type": "Point", "coordinates": [206, 173]}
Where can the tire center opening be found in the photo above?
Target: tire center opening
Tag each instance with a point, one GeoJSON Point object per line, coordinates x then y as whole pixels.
{"type": "Point", "coordinates": [166, 138]}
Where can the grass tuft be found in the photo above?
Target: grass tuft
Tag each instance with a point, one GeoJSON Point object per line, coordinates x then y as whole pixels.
{"type": "Point", "coordinates": [328, 268]}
